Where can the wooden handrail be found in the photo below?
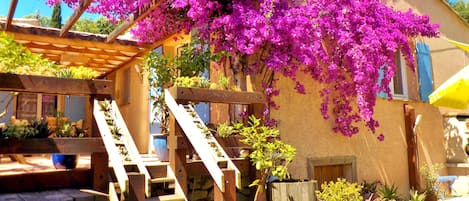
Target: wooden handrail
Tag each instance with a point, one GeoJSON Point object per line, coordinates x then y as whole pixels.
{"type": "Point", "coordinates": [131, 148]}
{"type": "Point", "coordinates": [113, 153]}
{"type": "Point", "coordinates": [201, 144]}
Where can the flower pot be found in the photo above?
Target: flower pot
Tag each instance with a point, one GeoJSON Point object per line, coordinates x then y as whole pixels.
{"type": "Point", "coordinates": [431, 197]}
{"type": "Point", "coordinates": [161, 147]}
{"type": "Point", "coordinates": [292, 190]}
{"type": "Point", "coordinates": [64, 161]}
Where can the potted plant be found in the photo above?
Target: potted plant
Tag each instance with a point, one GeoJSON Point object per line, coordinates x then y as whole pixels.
{"type": "Point", "coordinates": [268, 154]}
{"type": "Point", "coordinates": [369, 190]}
{"type": "Point", "coordinates": [387, 192]}
{"type": "Point", "coordinates": [430, 173]}
{"type": "Point", "coordinates": [22, 129]}
{"type": "Point", "coordinates": [63, 128]}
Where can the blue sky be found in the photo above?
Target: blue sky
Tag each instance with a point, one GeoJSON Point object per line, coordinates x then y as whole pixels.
{"type": "Point", "coordinates": [26, 7]}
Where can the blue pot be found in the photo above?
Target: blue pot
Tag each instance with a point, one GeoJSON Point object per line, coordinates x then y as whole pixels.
{"type": "Point", "coordinates": [161, 147]}
{"type": "Point", "coordinates": [64, 161]}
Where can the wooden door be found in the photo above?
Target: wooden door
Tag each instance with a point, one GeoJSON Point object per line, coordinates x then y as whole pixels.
{"type": "Point", "coordinates": [328, 173]}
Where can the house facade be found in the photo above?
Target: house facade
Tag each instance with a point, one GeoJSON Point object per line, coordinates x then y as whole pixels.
{"type": "Point", "coordinates": [323, 154]}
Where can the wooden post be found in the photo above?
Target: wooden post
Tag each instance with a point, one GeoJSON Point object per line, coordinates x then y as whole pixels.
{"type": "Point", "coordinates": [90, 121]}
{"type": "Point", "coordinates": [411, 139]}
{"type": "Point", "coordinates": [136, 186]}
{"type": "Point", "coordinates": [100, 169]}
{"type": "Point", "coordinates": [230, 187]}
{"type": "Point", "coordinates": [177, 153]}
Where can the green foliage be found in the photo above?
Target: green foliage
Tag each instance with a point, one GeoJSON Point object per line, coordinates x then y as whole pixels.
{"type": "Point", "coordinates": [100, 26]}
{"type": "Point", "coordinates": [430, 173]}
{"type": "Point", "coordinates": [196, 81]}
{"type": "Point", "coordinates": [44, 21]}
{"type": "Point", "coordinates": [77, 73]}
{"type": "Point", "coordinates": [224, 82]}
{"type": "Point", "coordinates": [66, 129]}
{"type": "Point", "coordinates": [56, 18]}
{"type": "Point", "coordinates": [389, 193]}
{"type": "Point", "coordinates": [269, 154]}
{"type": "Point", "coordinates": [18, 60]}
{"type": "Point", "coordinates": [164, 70]}
{"type": "Point", "coordinates": [14, 58]}
{"type": "Point", "coordinates": [21, 129]}
{"type": "Point", "coordinates": [369, 187]}
{"type": "Point", "coordinates": [224, 130]}
{"type": "Point", "coordinates": [461, 7]}
{"type": "Point", "coordinates": [341, 190]}
{"type": "Point", "coordinates": [416, 196]}
{"type": "Point", "coordinates": [42, 128]}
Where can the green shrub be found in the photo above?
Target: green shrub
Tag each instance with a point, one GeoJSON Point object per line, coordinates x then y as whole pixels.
{"type": "Point", "coordinates": [16, 59]}
{"type": "Point", "coordinates": [430, 173]}
{"type": "Point", "coordinates": [341, 190]}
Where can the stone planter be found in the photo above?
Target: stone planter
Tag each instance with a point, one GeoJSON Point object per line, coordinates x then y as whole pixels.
{"type": "Point", "coordinates": [292, 190]}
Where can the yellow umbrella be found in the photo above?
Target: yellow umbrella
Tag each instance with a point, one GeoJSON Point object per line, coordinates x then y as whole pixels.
{"type": "Point", "coordinates": [463, 46]}
{"type": "Point", "coordinates": [454, 92]}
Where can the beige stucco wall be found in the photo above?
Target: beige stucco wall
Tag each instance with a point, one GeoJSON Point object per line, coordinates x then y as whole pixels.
{"type": "Point", "coordinates": [136, 111]}
{"type": "Point", "coordinates": [446, 58]}
{"type": "Point", "coordinates": [302, 125]}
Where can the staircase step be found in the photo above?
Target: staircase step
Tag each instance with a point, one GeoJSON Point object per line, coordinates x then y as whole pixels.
{"type": "Point", "coordinates": [162, 180]}
{"type": "Point", "coordinates": [173, 197]}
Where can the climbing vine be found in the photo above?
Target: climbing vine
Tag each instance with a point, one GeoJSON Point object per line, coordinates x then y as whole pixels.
{"type": "Point", "coordinates": [341, 44]}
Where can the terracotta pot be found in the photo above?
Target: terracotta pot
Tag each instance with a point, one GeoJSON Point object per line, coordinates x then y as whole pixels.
{"type": "Point", "coordinates": [431, 197]}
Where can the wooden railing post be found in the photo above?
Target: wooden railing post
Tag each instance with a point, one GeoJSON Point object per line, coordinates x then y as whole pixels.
{"type": "Point", "coordinates": [99, 169]}
{"type": "Point", "coordinates": [136, 186]}
{"type": "Point", "coordinates": [230, 187]}
{"type": "Point", "coordinates": [177, 153]}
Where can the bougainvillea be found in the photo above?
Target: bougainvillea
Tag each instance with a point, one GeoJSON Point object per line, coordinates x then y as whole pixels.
{"type": "Point", "coordinates": [342, 44]}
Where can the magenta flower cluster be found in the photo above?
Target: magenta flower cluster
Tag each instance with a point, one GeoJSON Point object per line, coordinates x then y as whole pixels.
{"type": "Point", "coordinates": [341, 44]}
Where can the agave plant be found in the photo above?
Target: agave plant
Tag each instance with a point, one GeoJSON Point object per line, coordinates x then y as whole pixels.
{"type": "Point", "coordinates": [416, 196]}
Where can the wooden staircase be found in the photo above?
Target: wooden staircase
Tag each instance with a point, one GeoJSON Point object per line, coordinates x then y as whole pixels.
{"type": "Point", "coordinates": [131, 179]}
{"type": "Point", "coordinates": [205, 144]}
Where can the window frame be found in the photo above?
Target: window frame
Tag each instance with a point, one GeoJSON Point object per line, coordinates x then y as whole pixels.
{"type": "Point", "coordinates": [401, 66]}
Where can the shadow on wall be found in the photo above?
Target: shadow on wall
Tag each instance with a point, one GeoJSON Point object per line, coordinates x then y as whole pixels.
{"type": "Point", "coordinates": [454, 140]}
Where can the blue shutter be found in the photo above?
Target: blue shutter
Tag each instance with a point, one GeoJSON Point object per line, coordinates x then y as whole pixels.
{"type": "Point", "coordinates": [424, 71]}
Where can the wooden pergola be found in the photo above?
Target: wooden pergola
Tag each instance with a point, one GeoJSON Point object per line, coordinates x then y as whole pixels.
{"type": "Point", "coordinates": [103, 53]}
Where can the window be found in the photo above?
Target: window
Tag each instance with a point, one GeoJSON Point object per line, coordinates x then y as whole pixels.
{"type": "Point", "coordinates": [399, 82]}
{"type": "Point", "coordinates": [34, 106]}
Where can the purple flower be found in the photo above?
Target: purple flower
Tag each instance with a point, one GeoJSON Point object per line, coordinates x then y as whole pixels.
{"type": "Point", "coordinates": [380, 137]}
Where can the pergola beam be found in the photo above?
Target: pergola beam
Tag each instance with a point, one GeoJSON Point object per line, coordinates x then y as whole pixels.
{"type": "Point", "coordinates": [11, 13]}
{"type": "Point", "coordinates": [134, 18]}
{"type": "Point", "coordinates": [74, 17]}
